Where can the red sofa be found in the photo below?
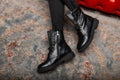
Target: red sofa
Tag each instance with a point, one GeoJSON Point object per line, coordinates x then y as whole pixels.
{"type": "Point", "coordinates": [108, 6]}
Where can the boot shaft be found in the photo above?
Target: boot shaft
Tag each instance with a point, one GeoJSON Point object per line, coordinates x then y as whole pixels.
{"type": "Point", "coordinates": [76, 13]}
{"type": "Point", "coordinates": [55, 37]}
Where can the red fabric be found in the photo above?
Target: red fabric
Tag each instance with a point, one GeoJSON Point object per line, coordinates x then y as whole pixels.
{"type": "Point", "coordinates": [109, 6]}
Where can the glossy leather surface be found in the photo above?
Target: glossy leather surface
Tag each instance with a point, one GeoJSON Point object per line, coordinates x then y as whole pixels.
{"type": "Point", "coordinates": [85, 26]}
{"type": "Point", "coordinates": [58, 51]}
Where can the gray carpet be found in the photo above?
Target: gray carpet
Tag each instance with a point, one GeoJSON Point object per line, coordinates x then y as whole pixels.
{"type": "Point", "coordinates": [24, 44]}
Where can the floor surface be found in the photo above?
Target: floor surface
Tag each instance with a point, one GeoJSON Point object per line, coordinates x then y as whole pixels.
{"type": "Point", "coordinates": [24, 44]}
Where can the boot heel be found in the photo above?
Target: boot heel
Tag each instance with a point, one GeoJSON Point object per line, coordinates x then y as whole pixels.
{"type": "Point", "coordinates": [95, 23]}
{"type": "Point", "coordinates": [68, 57]}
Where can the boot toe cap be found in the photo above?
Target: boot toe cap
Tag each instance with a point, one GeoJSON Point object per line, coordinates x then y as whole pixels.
{"type": "Point", "coordinates": [43, 69]}
{"type": "Point", "coordinates": [40, 69]}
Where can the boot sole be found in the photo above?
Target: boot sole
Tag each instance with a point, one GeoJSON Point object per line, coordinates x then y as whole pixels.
{"type": "Point", "coordinates": [68, 57]}
{"type": "Point", "coordinates": [94, 26]}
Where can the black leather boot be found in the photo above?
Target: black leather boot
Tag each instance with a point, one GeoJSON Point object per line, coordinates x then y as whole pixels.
{"type": "Point", "coordinates": [85, 26]}
{"type": "Point", "coordinates": [59, 52]}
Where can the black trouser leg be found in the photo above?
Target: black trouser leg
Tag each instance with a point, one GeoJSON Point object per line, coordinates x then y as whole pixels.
{"type": "Point", "coordinates": [57, 14]}
{"type": "Point", "coordinates": [71, 4]}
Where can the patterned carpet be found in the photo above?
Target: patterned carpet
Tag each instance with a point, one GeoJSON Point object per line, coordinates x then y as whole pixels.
{"type": "Point", "coordinates": [24, 44]}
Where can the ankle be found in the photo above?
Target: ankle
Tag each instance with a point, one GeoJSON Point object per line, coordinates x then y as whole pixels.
{"type": "Point", "coordinates": [76, 12]}
{"type": "Point", "coordinates": [57, 29]}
